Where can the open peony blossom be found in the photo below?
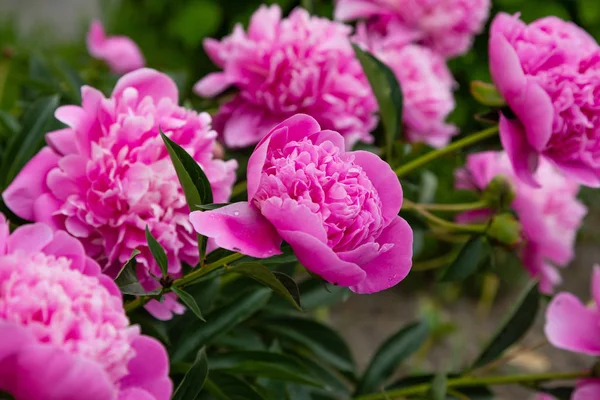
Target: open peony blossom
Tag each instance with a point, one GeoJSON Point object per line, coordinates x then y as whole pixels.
{"type": "Point", "coordinates": [424, 78]}
{"type": "Point", "coordinates": [65, 335]}
{"type": "Point", "coordinates": [119, 52]}
{"type": "Point", "coordinates": [338, 210]}
{"type": "Point", "coordinates": [570, 325]}
{"type": "Point", "coordinates": [299, 64]}
{"type": "Point", "coordinates": [549, 74]}
{"type": "Point", "coordinates": [550, 215]}
{"type": "Point", "coordinates": [446, 26]}
{"type": "Point", "coordinates": [108, 175]}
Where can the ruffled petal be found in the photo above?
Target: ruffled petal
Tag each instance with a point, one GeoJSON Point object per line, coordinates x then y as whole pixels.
{"type": "Point", "coordinates": [148, 82]}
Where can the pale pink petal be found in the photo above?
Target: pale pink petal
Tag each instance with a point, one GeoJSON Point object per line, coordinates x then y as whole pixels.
{"type": "Point", "coordinates": [212, 84]}
{"type": "Point", "coordinates": [287, 215]}
{"type": "Point", "coordinates": [148, 82]}
{"type": "Point", "coordinates": [523, 157]}
{"type": "Point", "coordinates": [30, 238]}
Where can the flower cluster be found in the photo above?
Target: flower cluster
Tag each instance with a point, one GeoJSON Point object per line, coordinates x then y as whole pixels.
{"type": "Point", "coordinates": [549, 74]}
{"type": "Point", "coordinates": [550, 215]}
{"type": "Point", "coordinates": [446, 26]}
{"type": "Point", "coordinates": [338, 210]}
{"type": "Point", "coordinates": [285, 66]}
{"type": "Point", "coordinates": [108, 176]}
{"type": "Point", "coordinates": [64, 332]}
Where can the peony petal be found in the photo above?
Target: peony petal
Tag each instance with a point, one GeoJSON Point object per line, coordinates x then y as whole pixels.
{"type": "Point", "coordinates": [579, 172]}
{"type": "Point", "coordinates": [148, 82]}
{"type": "Point", "coordinates": [571, 326]}
{"type": "Point", "coordinates": [244, 127]}
{"type": "Point", "coordinates": [62, 141]}
{"type": "Point", "coordinates": [391, 266]}
{"type": "Point", "coordinates": [30, 238]}
{"type": "Point", "coordinates": [321, 260]}
{"type": "Point", "coordinates": [536, 112]}
{"type": "Point", "coordinates": [149, 369]}
{"type": "Point", "coordinates": [256, 163]}
{"type": "Point", "coordinates": [238, 227]}
{"type": "Point", "coordinates": [212, 84]}
{"type": "Point", "coordinates": [4, 234]}
{"type": "Point", "coordinates": [349, 10]}
{"type": "Point", "coordinates": [596, 285]}
{"type": "Point", "coordinates": [298, 127]}
{"type": "Point", "coordinates": [95, 39]}
{"type": "Point", "coordinates": [288, 215]}
{"type": "Point", "coordinates": [505, 68]}
{"type": "Point", "coordinates": [135, 394]}
{"type": "Point", "coordinates": [587, 391]}
{"type": "Point", "coordinates": [47, 372]}
{"type": "Point", "coordinates": [523, 157]}
{"type": "Point", "coordinates": [64, 245]}
{"type": "Point", "coordinates": [361, 255]}
{"type": "Point", "coordinates": [30, 183]}
{"type": "Point", "coordinates": [332, 136]}
{"type": "Point", "coordinates": [385, 181]}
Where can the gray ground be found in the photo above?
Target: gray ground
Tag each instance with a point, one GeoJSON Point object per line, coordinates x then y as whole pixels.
{"type": "Point", "coordinates": [366, 321]}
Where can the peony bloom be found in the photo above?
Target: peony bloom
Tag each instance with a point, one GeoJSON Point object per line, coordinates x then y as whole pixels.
{"type": "Point", "coordinates": [299, 64]}
{"type": "Point", "coordinates": [550, 215]}
{"type": "Point", "coordinates": [570, 325]}
{"type": "Point", "coordinates": [119, 52]}
{"type": "Point", "coordinates": [424, 78]}
{"type": "Point", "coordinates": [338, 210]}
{"type": "Point", "coordinates": [446, 26]}
{"type": "Point", "coordinates": [108, 175]}
{"type": "Point", "coordinates": [549, 74]}
{"type": "Point", "coordinates": [64, 332]}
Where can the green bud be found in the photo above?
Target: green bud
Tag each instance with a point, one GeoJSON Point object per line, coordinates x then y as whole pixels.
{"type": "Point", "coordinates": [487, 94]}
{"type": "Point", "coordinates": [505, 229]}
{"type": "Point", "coordinates": [499, 194]}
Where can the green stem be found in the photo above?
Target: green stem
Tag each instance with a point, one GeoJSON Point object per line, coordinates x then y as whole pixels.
{"type": "Point", "coordinates": [434, 263]}
{"type": "Point", "coordinates": [455, 207]}
{"type": "Point", "coordinates": [452, 147]}
{"type": "Point", "coordinates": [186, 280]}
{"type": "Point", "coordinates": [442, 223]}
{"type": "Point", "coordinates": [468, 381]}
{"type": "Point", "coordinates": [238, 189]}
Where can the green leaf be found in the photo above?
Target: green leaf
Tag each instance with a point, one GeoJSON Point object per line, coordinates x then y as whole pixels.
{"type": "Point", "coordinates": [9, 123]}
{"type": "Point", "coordinates": [213, 206]}
{"type": "Point", "coordinates": [317, 293]}
{"type": "Point", "coordinates": [278, 282]}
{"type": "Point", "coordinates": [264, 364]}
{"type": "Point", "coordinates": [323, 341]}
{"type": "Point", "coordinates": [127, 279]}
{"type": "Point", "coordinates": [196, 20]}
{"type": "Point", "coordinates": [438, 387]}
{"type": "Point", "coordinates": [466, 262]}
{"type": "Point", "coordinates": [219, 322]}
{"type": "Point", "coordinates": [515, 325]}
{"type": "Point", "coordinates": [23, 146]}
{"type": "Point", "coordinates": [487, 94]}
{"type": "Point", "coordinates": [387, 90]}
{"type": "Point", "coordinates": [335, 381]}
{"type": "Point", "coordinates": [158, 253]}
{"type": "Point", "coordinates": [71, 79]}
{"type": "Point", "coordinates": [194, 379]}
{"type": "Point", "coordinates": [391, 354]}
{"type": "Point", "coordinates": [193, 180]}
{"type": "Point", "coordinates": [224, 386]}
{"type": "Point", "coordinates": [189, 301]}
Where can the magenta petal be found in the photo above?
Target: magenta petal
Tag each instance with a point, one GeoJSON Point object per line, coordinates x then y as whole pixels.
{"type": "Point", "coordinates": [64, 245]}
{"type": "Point", "coordinates": [47, 372]}
{"type": "Point", "coordinates": [596, 285]}
{"type": "Point", "coordinates": [505, 68]}
{"type": "Point", "coordinates": [331, 136]}
{"type": "Point", "coordinates": [255, 166]}
{"type": "Point", "coordinates": [535, 111]}
{"type": "Point", "coordinates": [349, 10]}
{"type": "Point", "coordinates": [385, 181]}
{"type": "Point", "coordinates": [321, 260]}
{"type": "Point", "coordinates": [238, 227]}
{"type": "Point", "coordinates": [391, 266]}
{"type": "Point", "coordinates": [149, 370]}
{"type": "Point", "coordinates": [579, 172]}
{"type": "Point", "coordinates": [296, 128]}
{"type": "Point", "coordinates": [361, 255]}
{"type": "Point", "coordinates": [135, 394]}
{"type": "Point", "coordinates": [212, 84]}
{"type": "Point", "coordinates": [148, 82]}
{"type": "Point", "coordinates": [62, 141]}
{"type": "Point", "coordinates": [571, 326]}
{"type": "Point", "coordinates": [30, 238]}
{"type": "Point", "coordinates": [30, 183]}
{"type": "Point", "coordinates": [523, 157]}
{"type": "Point", "coordinates": [286, 215]}
{"type": "Point", "coordinates": [244, 127]}
{"type": "Point", "coordinates": [587, 391]}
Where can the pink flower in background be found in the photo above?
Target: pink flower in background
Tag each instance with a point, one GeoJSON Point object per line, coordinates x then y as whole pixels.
{"type": "Point", "coordinates": [64, 332]}
{"type": "Point", "coordinates": [570, 325]}
{"type": "Point", "coordinates": [108, 175]}
{"type": "Point", "coordinates": [338, 210]}
{"type": "Point", "coordinates": [424, 78]}
{"type": "Point", "coordinates": [549, 74]}
{"type": "Point", "coordinates": [119, 52]}
{"type": "Point", "coordinates": [550, 215]}
{"type": "Point", "coordinates": [284, 66]}
{"type": "Point", "coordinates": [446, 26]}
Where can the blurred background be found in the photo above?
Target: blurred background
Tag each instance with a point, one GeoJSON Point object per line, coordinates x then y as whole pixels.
{"type": "Point", "coordinates": [47, 37]}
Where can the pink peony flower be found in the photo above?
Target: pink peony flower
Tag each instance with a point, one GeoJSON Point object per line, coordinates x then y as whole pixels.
{"type": "Point", "coordinates": [550, 215]}
{"type": "Point", "coordinates": [299, 64]}
{"type": "Point", "coordinates": [424, 78]}
{"type": "Point", "coordinates": [446, 26]}
{"type": "Point", "coordinates": [64, 332]}
{"type": "Point", "coordinates": [570, 325]}
{"type": "Point", "coordinates": [119, 52]}
{"type": "Point", "coordinates": [549, 74]}
{"type": "Point", "coordinates": [108, 175]}
{"type": "Point", "coordinates": [338, 210]}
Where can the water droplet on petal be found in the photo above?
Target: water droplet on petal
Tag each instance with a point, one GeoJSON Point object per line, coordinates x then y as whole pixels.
{"type": "Point", "coordinates": [236, 213]}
